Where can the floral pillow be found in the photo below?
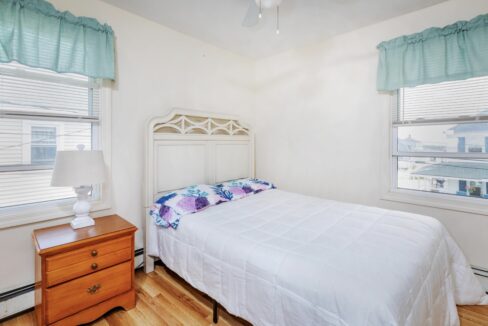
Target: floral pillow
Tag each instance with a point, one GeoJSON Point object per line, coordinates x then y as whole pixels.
{"type": "Point", "coordinates": [168, 209]}
{"type": "Point", "coordinates": [240, 188]}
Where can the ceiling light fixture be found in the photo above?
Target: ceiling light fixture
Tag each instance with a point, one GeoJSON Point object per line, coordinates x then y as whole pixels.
{"type": "Point", "coordinates": [255, 12]}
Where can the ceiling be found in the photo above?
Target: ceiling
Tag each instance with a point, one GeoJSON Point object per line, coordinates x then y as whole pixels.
{"type": "Point", "coordinates": [302, 22]}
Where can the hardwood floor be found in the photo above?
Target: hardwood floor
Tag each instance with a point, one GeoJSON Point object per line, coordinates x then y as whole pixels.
{"type": "Point", "coordinates": [165, 299]}
{"type": "Point", "coordinates": [473, 315]}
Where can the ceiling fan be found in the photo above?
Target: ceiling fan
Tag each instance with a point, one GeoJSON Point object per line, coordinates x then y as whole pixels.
{"type": "Point", "coordinates": [255, 12]}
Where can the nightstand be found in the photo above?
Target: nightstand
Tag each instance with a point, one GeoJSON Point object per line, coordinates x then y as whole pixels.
{"type": "Point", "coordinates": [81, 274]}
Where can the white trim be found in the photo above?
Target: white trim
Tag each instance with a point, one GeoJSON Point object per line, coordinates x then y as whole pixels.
{"type": "Point", "coordinates": [436, 200]}
{"type": "Point", "coordinates": [466, 156]}
{"type": "Point", "coordinates": [38, 212]}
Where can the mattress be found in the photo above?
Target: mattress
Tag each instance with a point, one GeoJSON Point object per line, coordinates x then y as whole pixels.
{"type": "Point", "coordinates": [280, 258]}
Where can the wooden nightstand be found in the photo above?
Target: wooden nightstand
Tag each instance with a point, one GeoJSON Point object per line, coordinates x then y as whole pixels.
{"type": "Point", "coordinates": [83, 273]}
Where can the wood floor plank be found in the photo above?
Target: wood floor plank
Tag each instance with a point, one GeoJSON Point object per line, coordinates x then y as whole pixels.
{"type": "Point", "coordinates": [473, 315]}
{"type": "Point", "coordinates": [182, 299]}
{"type": "Point", "coordinates": [172, 278]}
{"type": "Point", "coordinates": [163, 298]}
{"type": "Point", "coordinates": [224, 317]}
{"type": "Point", "coordinates": [177, 311]}
{"type": "Point", "coordinates": [153, 313]}
{"type": "Point", "coordinates": [100, 322]}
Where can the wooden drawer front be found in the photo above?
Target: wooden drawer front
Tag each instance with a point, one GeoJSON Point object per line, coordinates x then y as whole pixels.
{"type": "Point", "coordinates": [68, 298]}
{"type": "Point", "coordinates": [89, 266]}
{"type": "Point", "coordinates": [88, 253]}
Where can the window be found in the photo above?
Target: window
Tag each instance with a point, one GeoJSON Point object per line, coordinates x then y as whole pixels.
{"type": "Point", "coordinates": [43, 145]}
{"type": "Point", "coordinates": [440, 139]}
{"type": "Point", "coordinates": [42, 112]}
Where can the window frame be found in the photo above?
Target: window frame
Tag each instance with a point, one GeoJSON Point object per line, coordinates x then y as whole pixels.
{"type": "Point", "coordinates": [465, 204]}
{"type": "Point", "coordinates": [49, 210]}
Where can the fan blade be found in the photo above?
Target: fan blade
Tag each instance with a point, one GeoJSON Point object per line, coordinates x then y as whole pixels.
{"type": "Point", "coordinates": [252, 15]}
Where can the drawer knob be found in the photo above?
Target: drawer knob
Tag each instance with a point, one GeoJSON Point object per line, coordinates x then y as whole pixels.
{"type": "Point", "coordinates": [93, 289]}
{"type": "Point", "coordinates": [94, 253]}
{"type": "Point", "coordinates": [94, 266]}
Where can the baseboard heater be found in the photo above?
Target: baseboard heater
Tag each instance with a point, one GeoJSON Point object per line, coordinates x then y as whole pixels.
{"type": "Point", "coordinates": [480, 271]}
{"type": "Point", "coordinates": [30, 287]}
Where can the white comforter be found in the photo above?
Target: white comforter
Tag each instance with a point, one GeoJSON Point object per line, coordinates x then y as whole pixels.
{"type": "Point", "coordinates": [279, 258]}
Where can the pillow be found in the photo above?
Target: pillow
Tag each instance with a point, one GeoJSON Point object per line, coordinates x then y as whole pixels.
{"type": "Point", "coordinates": [168, 209]}
{"type": "Point", "coordinates": [240, 188]}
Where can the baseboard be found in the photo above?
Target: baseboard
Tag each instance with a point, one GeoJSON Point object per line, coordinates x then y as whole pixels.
{"type": "Point", "coordinates": [16, 292]}
{"type": "Point", "coordinates": [16, 304]}
{"type": "Point", "coordinates": [21, 299]}
{"type": "Point", "coordinates": [482, 275]}
{"type": "Point", "coordinates": [139, 252]}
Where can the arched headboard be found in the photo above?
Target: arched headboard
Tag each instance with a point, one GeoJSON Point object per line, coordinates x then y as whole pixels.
{"type": "Point", "coordinates": [189, 147]}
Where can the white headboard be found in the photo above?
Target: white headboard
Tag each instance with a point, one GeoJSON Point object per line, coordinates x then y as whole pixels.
{"type": "Point", "coordinates": [189, 147]}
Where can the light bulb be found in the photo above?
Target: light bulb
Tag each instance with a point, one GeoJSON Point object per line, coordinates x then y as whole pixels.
{"type": "Point", "coordinates": [277, 32]}
{"type": "Point", "coordinates": [260, 15]}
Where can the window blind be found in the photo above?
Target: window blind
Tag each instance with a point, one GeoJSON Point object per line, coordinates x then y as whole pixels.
{"type": "Point", "coordinates": [464, 100]}
{"type": "Point", "coordinates": [44, 94]}
{"type": "Point", "coordinates": [42, 112]}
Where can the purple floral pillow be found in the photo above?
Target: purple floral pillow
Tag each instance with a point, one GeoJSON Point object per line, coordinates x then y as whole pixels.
{"type": "Point", "coordinates": [168, 210]}
{"type": "Point", "coordinates": [240, 188]}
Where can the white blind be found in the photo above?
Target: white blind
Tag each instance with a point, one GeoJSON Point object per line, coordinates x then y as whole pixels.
{"type": "Point", "coordinates": [463, 99]}
{"type": "Point", "coordinates": [42, 112]}
{"type": "Point", "coordinates": [39, 92]}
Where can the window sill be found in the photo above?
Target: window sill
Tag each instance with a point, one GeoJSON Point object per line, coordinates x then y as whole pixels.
{"type": "Point", "coordinates": [447, 202]}
{"type": "Point", "coordinates": [36, 213]}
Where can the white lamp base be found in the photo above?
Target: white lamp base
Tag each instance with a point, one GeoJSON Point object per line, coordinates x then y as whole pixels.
{"type": "Point", "coordinates": [82, 222]}
{"type": "Point", "coordinates": [82, 208]}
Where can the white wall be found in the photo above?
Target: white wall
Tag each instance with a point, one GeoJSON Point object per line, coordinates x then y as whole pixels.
{"type": "Point", "coordinates": [157, 69]}
{"type": "Point", "coordinates": [330, 137]}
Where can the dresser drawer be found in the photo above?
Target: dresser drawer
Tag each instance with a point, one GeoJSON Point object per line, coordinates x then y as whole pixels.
{"type": "Point", "coordinates": [87, 253]}
{"type": "Point", "coordinates": [70, 297]}
{"type": "Point", "coordinates": [88, 266]}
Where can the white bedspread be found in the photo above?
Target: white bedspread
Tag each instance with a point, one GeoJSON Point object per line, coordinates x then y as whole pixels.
{"type": "Point", "coordinates": [279, 258]}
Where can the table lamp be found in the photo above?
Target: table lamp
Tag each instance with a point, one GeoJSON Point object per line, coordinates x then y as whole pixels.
{"type": "Point", "coordinates": [79, 169]}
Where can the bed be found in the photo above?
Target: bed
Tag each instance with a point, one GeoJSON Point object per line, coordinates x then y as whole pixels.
{"type": "Point", "coordinates": [280, 258]}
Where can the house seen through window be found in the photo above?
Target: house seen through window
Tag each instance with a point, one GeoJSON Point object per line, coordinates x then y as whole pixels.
{"type": "Point", "coordinates": [440, 138]}
{"type": "Point", "coordinates": [43, 145]}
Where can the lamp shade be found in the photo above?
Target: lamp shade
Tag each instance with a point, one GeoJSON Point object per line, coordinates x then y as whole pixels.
{"type": "Point", "coordinates": [78, 168]}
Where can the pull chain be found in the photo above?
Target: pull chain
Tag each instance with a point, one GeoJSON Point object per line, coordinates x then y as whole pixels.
{"type": "Point", "coordinates": [277, 20]}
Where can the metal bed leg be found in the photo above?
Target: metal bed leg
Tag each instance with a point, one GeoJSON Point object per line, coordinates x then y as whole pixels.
{"type": "Point", "coordinates": [215, 312]}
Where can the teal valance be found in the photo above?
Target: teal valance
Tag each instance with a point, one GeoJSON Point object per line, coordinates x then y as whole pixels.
{"type": "Point", "coordinates": [455, 52]}
{"type": "Point", "coordinates": [34, 33]}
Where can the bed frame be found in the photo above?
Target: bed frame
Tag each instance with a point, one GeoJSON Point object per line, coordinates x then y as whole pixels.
{"type": "Point", "coordinates": [189, 147]}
